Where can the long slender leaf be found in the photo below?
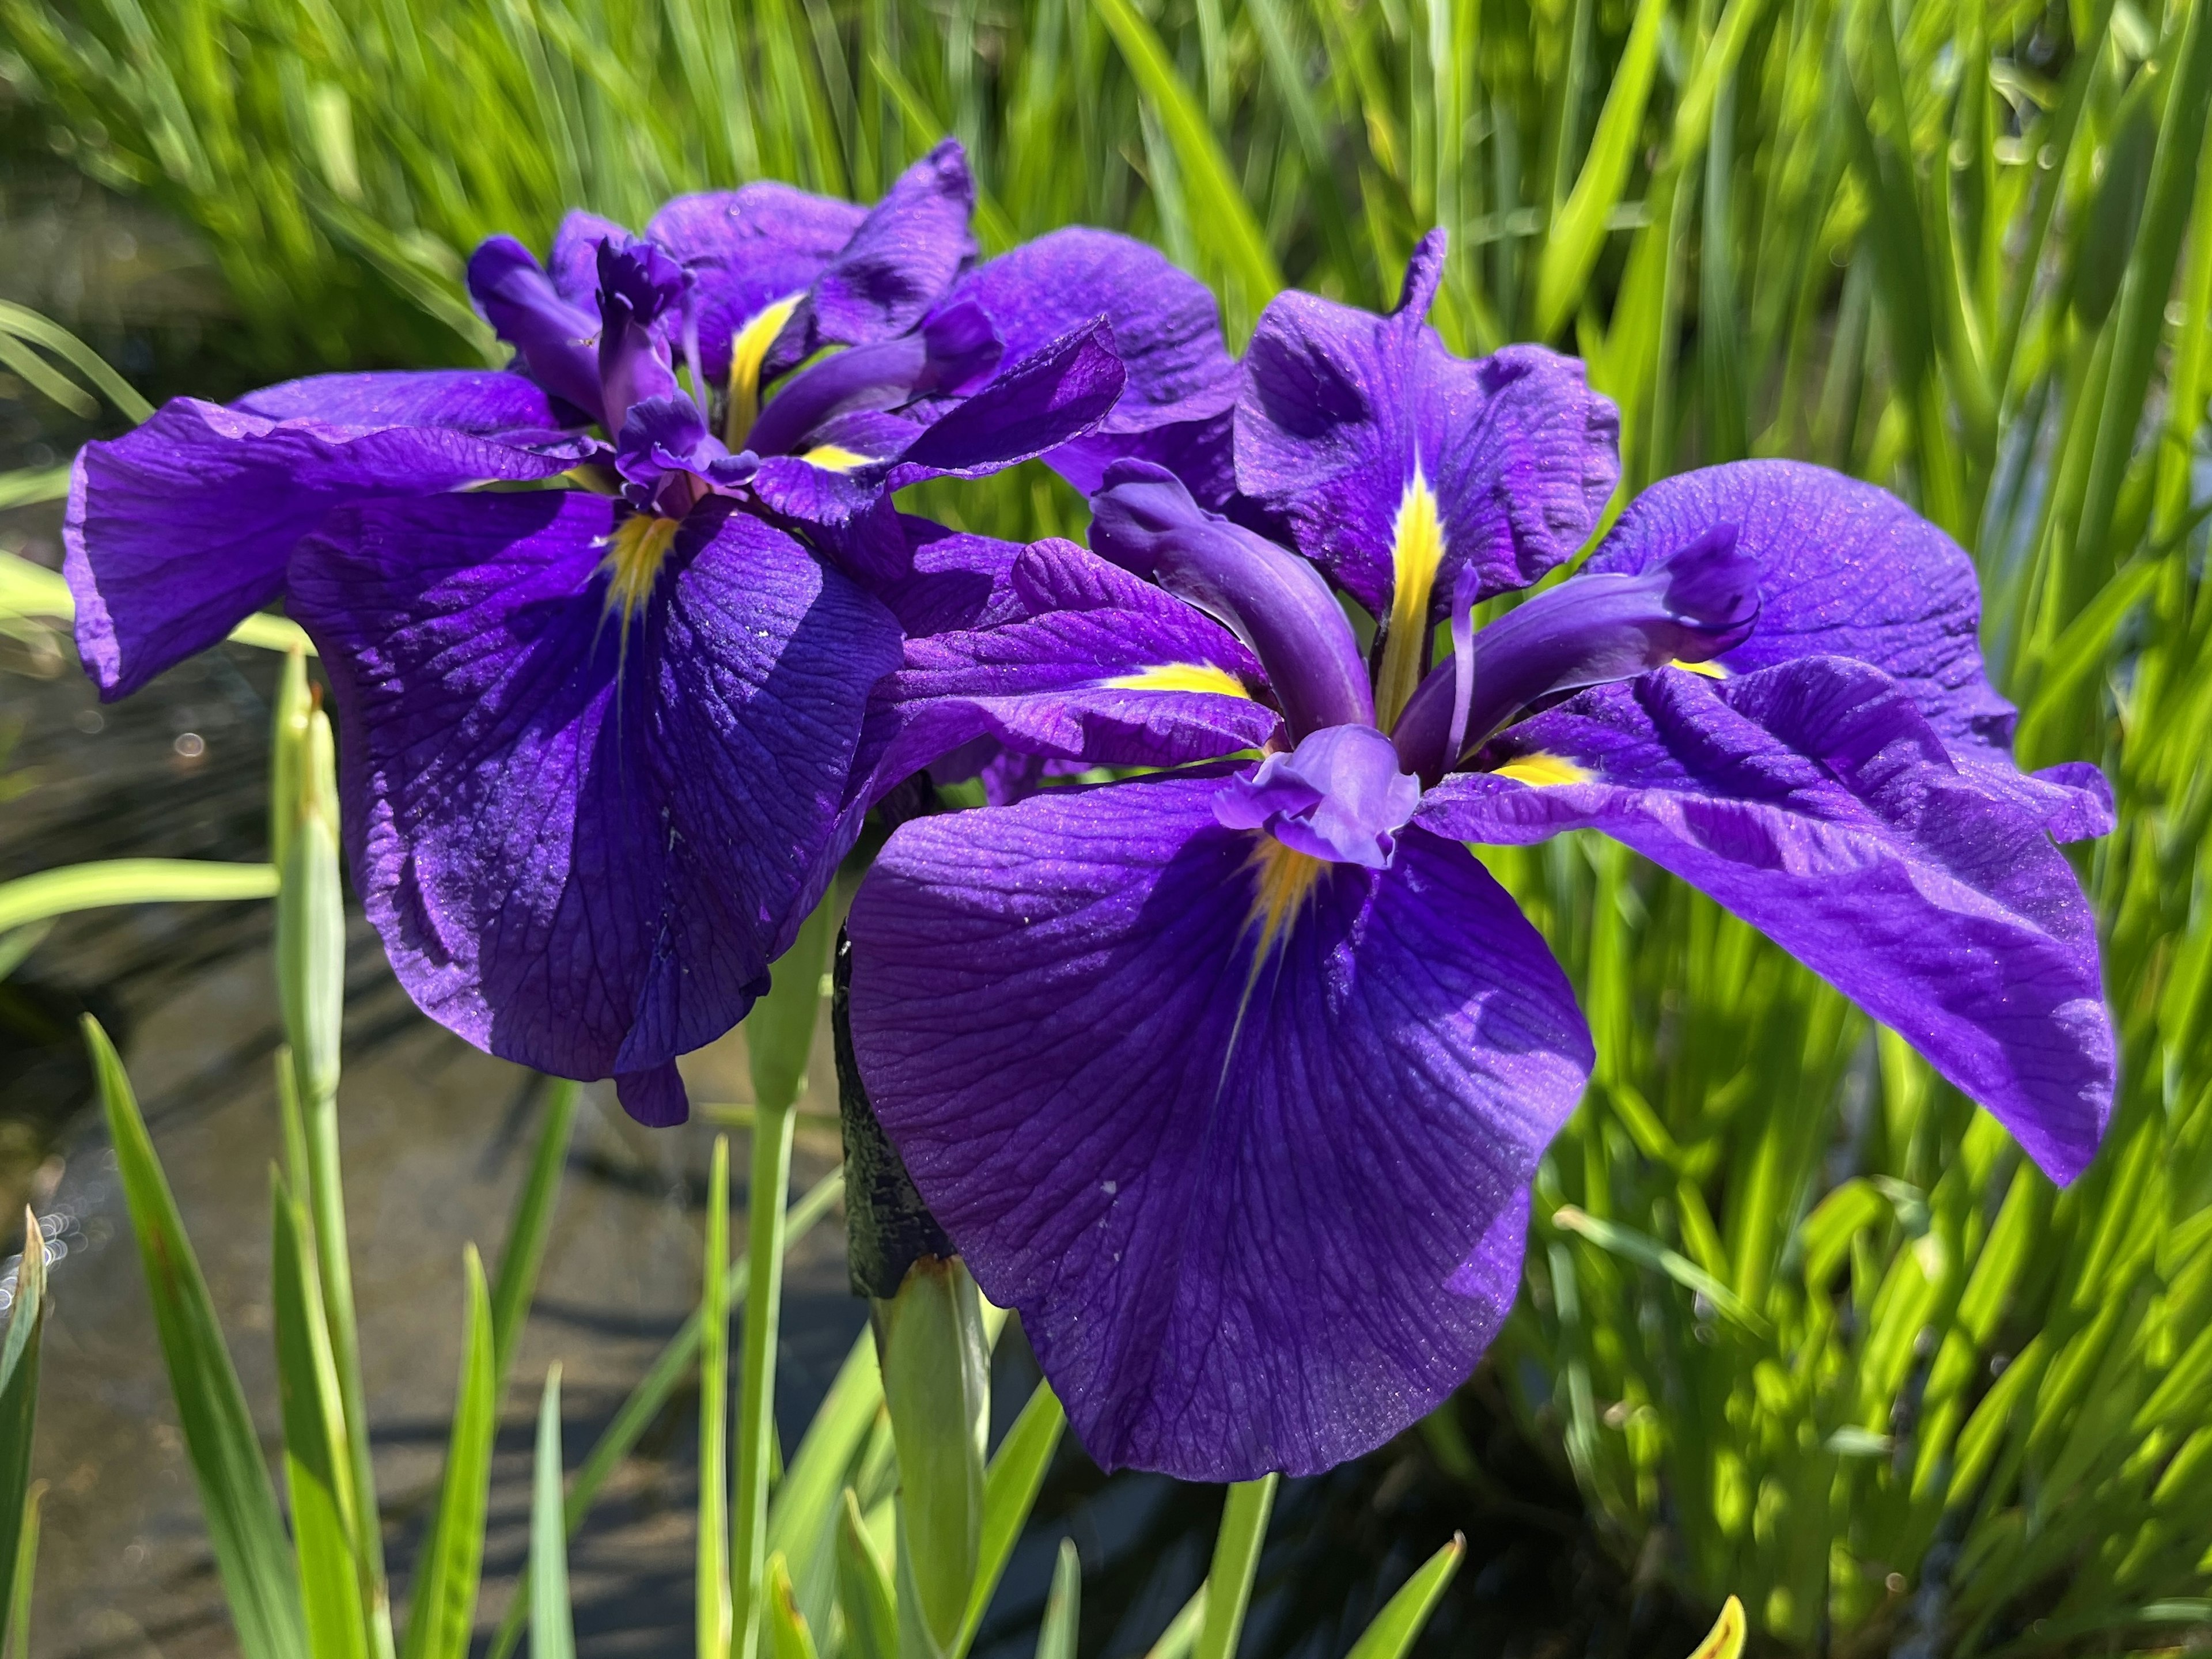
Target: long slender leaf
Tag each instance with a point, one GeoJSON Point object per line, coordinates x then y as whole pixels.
{"type": "Point", "coordinates": [1236, 1563]}
{"type": "Point", "coordinates": [1011, 1485]}
{"type": "Point", "coordinates": [19, 1411]}
{"type": "Point", "coordinates": [25, 1564]}
{"type": "Point", "coordinates": [451, 1564]}
{"type": "Point", "coordinates": [552, 1633]}
{"type": "Point", "coordinates": [864, 1588]}
{"type": "Point", "coordinates": [1572, 247]}
{"type": "Point", "coordinates": [1063, 1606]}
{"type": "Point", "coordinates": [318, 1469]}
{"type": "Point", "coordinates": [651, 1393]}
{"type": "Point", "coordinates": [1399, 1625]}
{"type": "Point", "coordinates": [1215, 198]}
{"type": "Point", "coordinates": [251, 1553]}
{"type": "Point", "coordinates": [711, 1575]}
{"type": "Point", "coordinates": [532, 1224]}
{"type": "Point", "coordinates": [91, 886]}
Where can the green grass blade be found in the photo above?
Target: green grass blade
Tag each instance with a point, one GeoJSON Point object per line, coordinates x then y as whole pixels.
{"type": "Point", "coordinates": [1235, 1562]}
{"type": "Point", "coordinates": [1181, 1634]}
{"type": "Point", "coordinates": [1063, 1606]}
{"type": "Point", "coordinates": [19, 1410]}
{"type": "Point", "coordinates": [1627, 1241]}
{"type": "Point", "coordinates": [26, 324]}
{"type": "Point", "coordinates": [533, 1224]}
{"type": "Point", "coordinates": [317, 1470]}
{"type": "Point", "coordinates": [2141, 317]}
{"type": "Point", "coordinates": [128, 881]}
{"type": "Point", "coordinates": [1215, 199]}
{"type": "Point", "coordinates": [1011, 1486]}
{"type": "Point", "coordinates": [789, 1636]}
{"type": "Point", "coordinates": [766, 1190]}
{"type": "Point", "coordinates": [1572, 249]}
{"type": "Point", "coordinates": [32, 589]}
{"type": "Point", "coordinates": [447, 1572]}
{"type": "Point", "coordinates": [1400, 1622]}
{"type": "Point", "coordinates": [712, 1568]}
{"type": "Point", "coordinates": [252, 1553]}
{"type": "Point", "coordinates": [25, 1562]}
{"type": "Point", "coordinates": [26, 486]}
{"type": "Point", "coordinates": [864, 1588]}
{"type": "Point", "coordinates": [805, 1507]}
{"type": "Point", "coordinates": [552, 1631]}
{"type": "Point", "coordinates": [650, 1397]}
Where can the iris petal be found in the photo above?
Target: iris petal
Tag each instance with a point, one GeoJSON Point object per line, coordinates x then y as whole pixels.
{"type": "Point", "coordinates": [1845, 569]}
{"type": "Point", "coordinates": [178, 530]}
{"type": "Point", "coordinates": [1054, 679]}
{"type": "Point", "coordinates": [1814, 801]}
{"type": "Point", "coordinates": [1340, 408]}
{"type": "Point", "coordinates": [584, 839]}
{"type": "Point", "coordinates": [1251, 1221]}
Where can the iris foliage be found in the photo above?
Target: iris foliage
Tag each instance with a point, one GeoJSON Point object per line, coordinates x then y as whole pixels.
{"type": "Point", "coordinates": [1794, 1308]}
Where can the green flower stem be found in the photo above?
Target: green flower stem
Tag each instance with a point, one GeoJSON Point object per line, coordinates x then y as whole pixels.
{"type": "Point", "coordinates": [1236, 1560]}
{"type": "Point", "coordinates": [714, 1571]}
{"type": "Point", "coordinates": [770, 1178]}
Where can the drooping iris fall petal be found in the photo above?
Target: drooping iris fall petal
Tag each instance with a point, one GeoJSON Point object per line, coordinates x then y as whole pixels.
{"type": "Point", "coordinates": [587, 803]}
{"type": "Point", "coordinates": [178, 530]}
{"type": "Point", "coordinates": [1815, 801]}
{"type": "Point", "coordinates": [1249, 1148]}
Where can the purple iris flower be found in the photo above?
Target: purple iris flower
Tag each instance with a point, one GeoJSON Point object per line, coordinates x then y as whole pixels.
{"type": "Point", "coordinates": [1232, 1076]}
{"type": "Point", "coordinates": [596, 741]}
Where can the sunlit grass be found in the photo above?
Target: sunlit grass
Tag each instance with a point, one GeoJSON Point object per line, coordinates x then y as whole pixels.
{"type": "Point", "coordinates": [1955, 247]}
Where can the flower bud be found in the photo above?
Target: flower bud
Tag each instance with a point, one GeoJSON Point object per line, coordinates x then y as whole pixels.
{"type": "Point", "coordinates": [311, 918]}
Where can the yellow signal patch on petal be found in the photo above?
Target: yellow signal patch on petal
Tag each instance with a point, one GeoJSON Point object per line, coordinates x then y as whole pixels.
{"type": "Point", "coordinates": [1543, 769]}
{"type": "Point", "coordinates": [1711, 670]}
{"type": "Point", "coordinates": [1725, 1639]}
{"type": "Point", "coordinates": [747, 352]}
{"type": "Point", "coordinates": [1181, 677]}
{"type": "Point", "coordinates": [636, 552]}
{"type": "Point", "coordinates": [1283, 880]}
{"type": "Point", "coordinates": [834, 458]}
{"type": "Point", "coordinates": [1417, 550]}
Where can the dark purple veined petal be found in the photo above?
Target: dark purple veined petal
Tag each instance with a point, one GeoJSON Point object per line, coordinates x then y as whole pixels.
{"type": "Point", "coordinates": [1392, 464]}
{"type": "Point", "coordinates": [1255, 1215]}
{"type": "Point", "coordinates": [1201, 453]}
{"type": "Point", "coordinates": [1096, 665]}
{"type": "Point", "coordinates": [1816, 802]}
{"type": "Point", "coordinates": [555, 338]}
{"type": "Point", "coordinates": [748, 249]}
{"type": "Point", "coordinates": [1031, 406]}
{"type": "Point", "coordinates": [1167, 332]}
{"type": "Point", "coordinates": [572, 262]}
{"type": "Point", "coordinates": [1146, 521]}
{"type": "Point", "coordinates": [1688, 608]}
{"type": "Point", "coordinates": [483, 403]}
{"type": "Point", "coordinates": [839, 492]}
{"type": "Point", "coordinates": [1845, 571]}
{"type": "Point", "coordinates": [904, 254]}
{"type": "Point", "coordinates": [584, 829]}
{"type": "Point", "coordinates": [945, 580]}
{"type": "Point", "coordinates": [178, 530]}
{"type": "Point", "coordinates": [1338, 796]}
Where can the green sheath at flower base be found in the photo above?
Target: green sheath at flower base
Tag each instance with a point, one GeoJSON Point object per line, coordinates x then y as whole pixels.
{"type": "Point", "coordinates": [936, 1367]}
